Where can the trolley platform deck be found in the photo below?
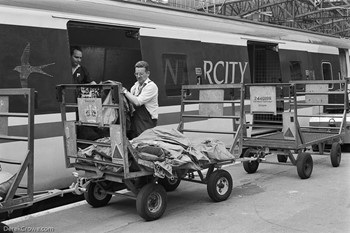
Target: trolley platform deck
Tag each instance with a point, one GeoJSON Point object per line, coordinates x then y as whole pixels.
{"type": "Point", "coordinates": [274, 140]}
{"type": "Point", "coordinates": [284, 100]}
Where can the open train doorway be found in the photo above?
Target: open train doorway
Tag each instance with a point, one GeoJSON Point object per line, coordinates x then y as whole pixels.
{"type": "Point", "coordinates": [109, 52]}
{"type": "Point", "coordinates": [265, 67]}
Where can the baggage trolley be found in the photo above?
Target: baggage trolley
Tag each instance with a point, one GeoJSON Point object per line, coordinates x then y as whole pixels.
{"type": "Point", "coordinates": [300, 101]}
{"type": "Point", "coordinates": [18, 191]}
{"type": "Point", "coordinates": [213, 101]}
{"type": "Point", "coordinates": [11, 201]}
{"type": "Point", "coordinates": [122, 173]}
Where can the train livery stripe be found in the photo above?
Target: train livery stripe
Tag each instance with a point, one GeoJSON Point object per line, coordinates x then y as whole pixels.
{"type": "Point", "coordinates": [231, 39]}
{"type": "Point", "coordinates": [50, 125]}
{"type": "Point", "coordinates": [14, 16]}
{"type": "Point", "coordinates": [190, 34]}
{"type": "Point", "coordinates": [53, 127]}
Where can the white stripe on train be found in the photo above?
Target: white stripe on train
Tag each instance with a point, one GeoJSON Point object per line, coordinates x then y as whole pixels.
{"type": "Point", "coordinates": [56, 117]}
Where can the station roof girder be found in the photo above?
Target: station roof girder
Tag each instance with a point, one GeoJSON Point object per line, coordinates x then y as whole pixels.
{"type": "Point", "coordinates": [324, 16]}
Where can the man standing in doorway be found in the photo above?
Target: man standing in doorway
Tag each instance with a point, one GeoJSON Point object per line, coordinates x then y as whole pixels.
{"type": "Point", "coordinates": [144, 96]}
{"type": "Point", "coordinates": [80, 73]}
{"type": "Point", "coordinates": [81, 76]}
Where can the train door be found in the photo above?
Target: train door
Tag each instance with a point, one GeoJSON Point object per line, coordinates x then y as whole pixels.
{"type": "Point", "coordinates": [264, 62]}
{"type": "Point", "coordinates": [109, 52]}
{"type": "Point", "coordinates": [328, 74]}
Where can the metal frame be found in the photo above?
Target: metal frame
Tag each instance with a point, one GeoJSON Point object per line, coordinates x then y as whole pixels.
{"type": "Point", "coordinates": [121, 144]}
{"type": "Point", "coordinates": [12, 200]}
{"type": "Point", "coordinates": [121, 148]}
{"type": "Point", "coordinates": [237, 131]}
{"type": "Point", "coordinates": [108, 183]}
{"type": "Point", "coordinates": [304, 136]}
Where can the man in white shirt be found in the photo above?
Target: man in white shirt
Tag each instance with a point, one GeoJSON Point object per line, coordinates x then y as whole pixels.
{"type": "Point", "coordinates": [144, 96]}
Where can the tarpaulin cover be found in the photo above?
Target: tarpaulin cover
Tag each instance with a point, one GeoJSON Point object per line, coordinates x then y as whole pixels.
{"type": "Point", "coordinates": [178, 151]}
{"type": "Point", "coordinates": [163, 150]}
{"type": "Point", "coordinates": [6, 180]}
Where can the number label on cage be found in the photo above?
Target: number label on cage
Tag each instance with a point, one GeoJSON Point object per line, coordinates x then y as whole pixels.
{"type": "Point", "coordinates": [90, 110]}
{"type": "Point", "coordinates": [263, 99]}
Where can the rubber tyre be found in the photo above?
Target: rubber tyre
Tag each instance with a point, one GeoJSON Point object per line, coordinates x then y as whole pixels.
{"type": "Point", "coordinates": [304, 165]}
{"type": "Point", "coordinates": [219, 185]}
{"type": "Point", "coordinates": [95, 197]}
{"type": "Point", "coordinates": [335, 154]}
{"type": "Point", "coordinates": [151, 201]}
{"type": "Point", "coordinates": [170, 185]}
{"type": "Point", "coordinates": [250, 166]}
{"type": "Point", "coordinates": [282, 158]}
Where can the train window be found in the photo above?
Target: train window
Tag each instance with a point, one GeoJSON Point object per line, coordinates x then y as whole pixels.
{"type": "Point", "coordinates": [327, 72]}
{"type": "Point", "coordinates": [175, 73]}
{"type": "Point", "coordinates": [295, 70]}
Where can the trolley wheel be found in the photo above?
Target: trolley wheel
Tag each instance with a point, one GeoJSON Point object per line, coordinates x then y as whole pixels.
{"type": "Point", "coordinates": [96, 196]}
{"type": "Point", "coordinates": [282, 158]}
{"type": "Point", "coordinates": [151, 201]}
{"type": "Point", "coordinates": [304, 165]}
{"type": "Point", "coordinates": [171, 184]}
{"type": "Point", "coordinates": [335, 154]}
{"type": "Point", "coordinates": [250, 166]}
{"type": "Point", "coordinates": [219, 185]}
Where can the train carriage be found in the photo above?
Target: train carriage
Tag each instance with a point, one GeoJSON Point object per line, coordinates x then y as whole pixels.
{"type": "Point", "coordinates": [182, 47]}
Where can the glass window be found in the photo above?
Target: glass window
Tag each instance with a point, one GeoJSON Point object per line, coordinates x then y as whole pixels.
{"type": "Point", "coordinates": [327, 72]}
{"type": "Point", "coordinates": [295, 70]}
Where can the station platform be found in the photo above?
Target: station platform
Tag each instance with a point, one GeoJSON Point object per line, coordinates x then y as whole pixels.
{"type": "Point", "coordinates": [274, 199]}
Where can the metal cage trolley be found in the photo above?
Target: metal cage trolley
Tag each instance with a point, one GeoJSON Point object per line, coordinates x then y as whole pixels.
{"type": "Point", "coordinates": [212, 101]}
{"type": "Point", "coordinates": [296, 103]}
{"type": "Point", "coordinates": [121, 173]}
{"type": "Point", "coordinates": [18, 191]}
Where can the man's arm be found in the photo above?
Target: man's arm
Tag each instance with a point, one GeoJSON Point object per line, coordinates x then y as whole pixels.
{"type": "Point", "coordinates": [131, 98]}
{"type": "Point", "coordinates": [148, 92]}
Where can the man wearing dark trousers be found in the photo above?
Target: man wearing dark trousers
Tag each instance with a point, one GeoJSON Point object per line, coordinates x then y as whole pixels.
{"type": "Point", "coordinates": [144, 96]}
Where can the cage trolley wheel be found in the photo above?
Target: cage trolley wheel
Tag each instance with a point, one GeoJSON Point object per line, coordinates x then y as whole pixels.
{"type": "Point", "coordinates": [250, 166]}
{"type": "Point", "coordinates": [171, 184]}
{"type": "Point", "coordinates": [151, 201]}
{"type": "Point", "coordinates": [304, 165]}
{"type": "Point", "coordinates": [219, 185]}
{"type": "Point", "coordinates": [335, 154]}
{"type": "Point", "coordinates": [96, 196]}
